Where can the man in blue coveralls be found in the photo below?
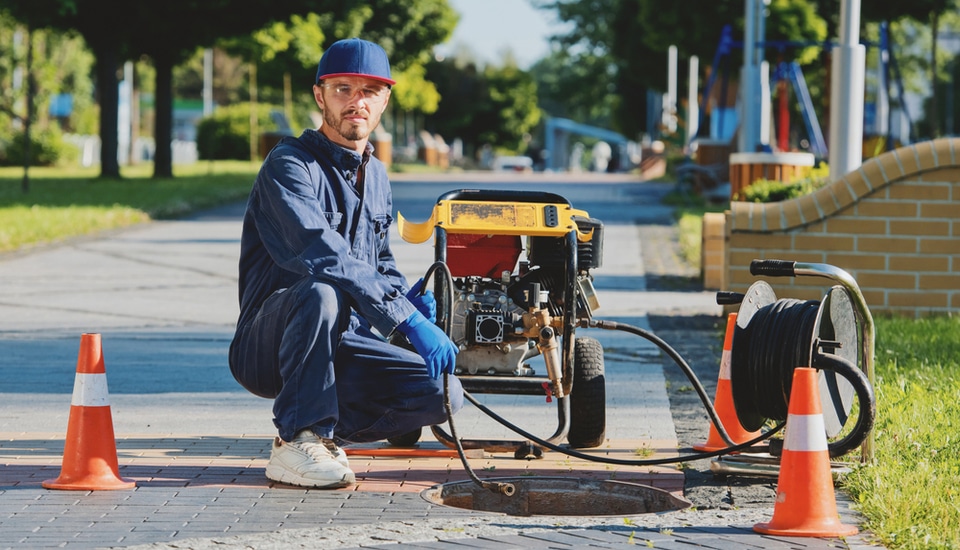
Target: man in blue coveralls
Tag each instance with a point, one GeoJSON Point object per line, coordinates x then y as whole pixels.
{"type": "Point", "coordinates": [317, 273]}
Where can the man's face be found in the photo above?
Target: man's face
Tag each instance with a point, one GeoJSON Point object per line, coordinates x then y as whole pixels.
{"type": "Point", "coordinates": [352, 107]}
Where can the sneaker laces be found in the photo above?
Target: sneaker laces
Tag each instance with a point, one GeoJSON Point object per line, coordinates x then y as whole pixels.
{"type": "Point", "coordinates": [312, 444]}
{"type": "Point", "coordinates": [335, 451]}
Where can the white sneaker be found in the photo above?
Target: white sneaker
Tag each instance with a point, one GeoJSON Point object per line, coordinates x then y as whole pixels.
{"type": "Point", "coordinates": [336, 452]}
{"type": "Point", "coordinates": [308, 461]}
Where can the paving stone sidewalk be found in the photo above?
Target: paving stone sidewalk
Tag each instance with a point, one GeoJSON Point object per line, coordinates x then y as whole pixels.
{"type": "Point", "coordinates": [198, 456]}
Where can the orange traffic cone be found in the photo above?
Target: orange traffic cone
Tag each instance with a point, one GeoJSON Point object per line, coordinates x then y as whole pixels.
{"type": "Point", "coordinates": [723, 401]}
{"type": "Point", "coordinates": [90, 451]}
{"type": "Point", "coordinates": [806, 504]}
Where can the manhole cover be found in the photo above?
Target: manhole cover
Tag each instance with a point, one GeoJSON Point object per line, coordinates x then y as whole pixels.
{"type": "Point", "coordinates": [557, 496]}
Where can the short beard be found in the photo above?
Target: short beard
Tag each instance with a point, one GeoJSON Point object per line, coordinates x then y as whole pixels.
{"type": "Point", "coordinates": [349, 132]}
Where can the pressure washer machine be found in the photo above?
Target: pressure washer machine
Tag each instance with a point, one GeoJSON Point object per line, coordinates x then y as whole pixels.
{"type": "Point", "coordinates": [515, 283]}
{"type": "Point", "coordinates": [503, 308]}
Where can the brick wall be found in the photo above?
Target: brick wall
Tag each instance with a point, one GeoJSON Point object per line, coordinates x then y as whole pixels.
{"type": "Point", "coordinates": [893, 224]}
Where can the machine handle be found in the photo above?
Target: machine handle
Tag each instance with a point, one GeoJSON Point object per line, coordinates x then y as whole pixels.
{"type": "Point", "coordinates": [727, 298]}
{"type": "Point", "coordinates": [773, 268]}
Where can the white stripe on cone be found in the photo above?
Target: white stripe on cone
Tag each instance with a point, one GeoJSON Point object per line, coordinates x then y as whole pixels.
{"type": "Point", "coordinates": [805, 432]}
{"type": "Point", "coordinates": [90, 390]}
{"type": "Point", "coordinates": [725, 364]}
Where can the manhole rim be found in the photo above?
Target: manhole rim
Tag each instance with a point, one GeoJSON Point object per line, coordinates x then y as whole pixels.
{"type": "Point", "coordinates": [681, 502]}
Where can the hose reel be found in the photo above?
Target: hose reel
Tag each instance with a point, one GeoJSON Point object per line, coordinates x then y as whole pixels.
{"type": "Point", "coordinates": [774, 336]}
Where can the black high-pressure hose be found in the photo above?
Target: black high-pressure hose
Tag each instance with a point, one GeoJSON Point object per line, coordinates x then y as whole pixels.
{"type": "Point", "coordinates": [643, 462]}
{"type": "Point", "coordinates": [619, 461]}
{"type": "Point", "coordinates": [508, 488]}
{"type": "Point", "coordinates": [673, 354]}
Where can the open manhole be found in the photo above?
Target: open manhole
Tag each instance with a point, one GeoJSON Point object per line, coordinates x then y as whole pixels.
{"type": "Point", "coordinates": [557, 496]}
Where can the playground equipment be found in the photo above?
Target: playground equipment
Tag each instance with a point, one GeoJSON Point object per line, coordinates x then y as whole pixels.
{"type": "Point", "coordinates": [557, 141]}
{"type": "Point", "coordinates": [789, 72]}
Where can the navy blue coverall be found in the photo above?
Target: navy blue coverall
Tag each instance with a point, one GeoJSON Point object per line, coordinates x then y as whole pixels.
{"type": "Point", "coordinates": [316, 272]}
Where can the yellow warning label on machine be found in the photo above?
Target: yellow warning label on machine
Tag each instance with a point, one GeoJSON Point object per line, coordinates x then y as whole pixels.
{"type": "Point", "coordinates": [495, 218]}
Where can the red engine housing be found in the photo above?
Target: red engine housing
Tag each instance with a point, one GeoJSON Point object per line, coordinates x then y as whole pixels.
{"type": "Point", "coordinates": [482, 255]}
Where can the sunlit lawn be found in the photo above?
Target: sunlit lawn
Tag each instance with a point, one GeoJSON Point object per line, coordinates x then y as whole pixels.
{"type": "Point", "coordinates": [911, 493]}
{"type": "Point", "coordinates": [68, 202]}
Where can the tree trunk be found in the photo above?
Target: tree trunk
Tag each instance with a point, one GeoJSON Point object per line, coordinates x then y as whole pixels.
{"type": "Point", "coordinates": [163, 111]}
{"type": "Point", "coordinates": [108, 87]}
{"type": "Point", "coordinates": [28, 119]}
{"type": "Point", "coordinates": [254, 130]}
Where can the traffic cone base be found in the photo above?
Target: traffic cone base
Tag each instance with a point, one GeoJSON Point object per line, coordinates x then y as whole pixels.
{"type": "Point", "coordinates": [90, 451]}
{"type": "Point", "coordinates": [806, 503]}
{"type": "Point", "coordinates": [723, 401]}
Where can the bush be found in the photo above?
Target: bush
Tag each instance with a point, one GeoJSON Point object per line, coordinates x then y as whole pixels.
{"type": "Point", "coordinates": [46, 149]}
{"type": "Point", "coordinates": [775, 191]}
{"type": "Point", "coordinates": [226, 134]}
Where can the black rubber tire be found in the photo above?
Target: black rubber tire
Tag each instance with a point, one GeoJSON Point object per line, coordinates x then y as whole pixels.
{"type": "Point", "coordinates": [588, 417]}
{"type": "Point", "coordinates": [408, 439]}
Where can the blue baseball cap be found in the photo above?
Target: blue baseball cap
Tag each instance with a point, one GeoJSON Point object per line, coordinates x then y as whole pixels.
{"type": "Point", "coordinates": [355, 57]}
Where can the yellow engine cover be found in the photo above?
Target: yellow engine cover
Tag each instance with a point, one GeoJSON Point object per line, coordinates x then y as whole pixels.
{"type": "Point", "coordinates": [495, 218]}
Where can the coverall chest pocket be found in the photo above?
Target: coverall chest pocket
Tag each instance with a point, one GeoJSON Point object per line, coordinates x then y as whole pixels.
{"type": "Point", "coordinates": [334, 219]}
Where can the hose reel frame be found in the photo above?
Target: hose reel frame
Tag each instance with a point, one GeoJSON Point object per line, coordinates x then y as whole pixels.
{"type": "Point", "coordinates": [829, 338]}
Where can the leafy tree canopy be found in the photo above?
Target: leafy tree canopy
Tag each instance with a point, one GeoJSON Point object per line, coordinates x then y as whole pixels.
{"type": "Point", "coordinates": [492, 106]}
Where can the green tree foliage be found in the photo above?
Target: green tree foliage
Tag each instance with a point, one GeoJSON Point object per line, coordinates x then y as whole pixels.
{"type": "Point", "coordinates": [577, 86]}
{"type": "Point", "coordinates": [407, 29]}
{"type": "Point", "coordinates": [414, 92]}
{"type": "Point", "coordinates": [170, 31]}
{"type": "Point", "coordinates": [59, 64]}
{"type": "Point", "coordinates": [578, 80]}
{"type": "Point", "coordinates": [492, 106]}
{"type": "Point", "coordinates": [166, 31]}
{"type": "Point", "coordinates": [225, 134]}
{"type": "Point", "coordinates": [512, 107]}
{"type": "Point", "coordinates": [289, 51]}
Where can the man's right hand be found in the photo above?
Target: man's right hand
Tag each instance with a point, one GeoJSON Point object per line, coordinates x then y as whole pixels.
{"type": "Point", "coordinates": [439, 353]}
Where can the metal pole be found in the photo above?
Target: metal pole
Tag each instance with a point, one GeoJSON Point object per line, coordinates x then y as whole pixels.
{"type": "Point", "coordinates": [670, 109]}
{"type": "Point", "coordinates": [754, 98]}
{"type": "Point", "coordinates": [207, 82]}
{"type": "Point", "coordinates": [765, 108]}
{"type": "Point", "coordinates": [693, 107]}
{"type": "Point", "coordinates": [846, 94]}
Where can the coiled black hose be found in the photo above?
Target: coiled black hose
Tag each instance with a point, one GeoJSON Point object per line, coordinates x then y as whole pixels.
{"type": "Point", "coordinates": [779, 338]}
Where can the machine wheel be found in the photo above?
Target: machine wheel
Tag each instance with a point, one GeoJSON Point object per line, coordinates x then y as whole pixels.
{"type": "Point", "coordinates": [408, 439]}
{"type": "Point", "coordinates": [588, 419]}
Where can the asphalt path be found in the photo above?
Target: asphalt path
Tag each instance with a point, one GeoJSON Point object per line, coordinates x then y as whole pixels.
{"type": "Point", "coordinates": [163, 297]}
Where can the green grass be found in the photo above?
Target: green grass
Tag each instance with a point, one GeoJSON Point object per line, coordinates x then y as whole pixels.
{"type": "Point", "coordinates": [911, 492]}
{"type": "Point", "coordinates": [67, 202]}
{"type": "Point", "coordinates": [689, 214]}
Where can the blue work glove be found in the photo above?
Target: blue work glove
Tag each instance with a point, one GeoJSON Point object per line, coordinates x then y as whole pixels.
{"type": "Point", "coordinates": [425, 303]}
{"type": "Point", "coordinates": [439, 353]}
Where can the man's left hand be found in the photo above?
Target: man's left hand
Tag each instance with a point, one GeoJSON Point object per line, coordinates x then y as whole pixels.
{"type": "Point", "coordinates": [425, 303]}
